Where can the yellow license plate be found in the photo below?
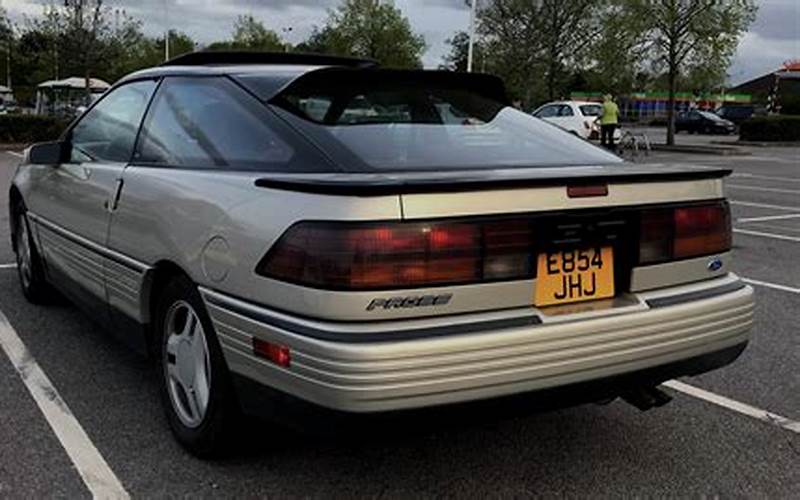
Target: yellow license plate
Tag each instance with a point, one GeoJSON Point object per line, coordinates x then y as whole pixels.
{"type": "Point", "coordinates": [567, 276]}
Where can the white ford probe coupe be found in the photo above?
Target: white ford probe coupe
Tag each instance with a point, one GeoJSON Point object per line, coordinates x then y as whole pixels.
{"type": "Point", "coordinates": [280, 227]}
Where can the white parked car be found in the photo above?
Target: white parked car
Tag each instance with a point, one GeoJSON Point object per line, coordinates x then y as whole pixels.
{"type": "Point", "coordinates": [576, 117]}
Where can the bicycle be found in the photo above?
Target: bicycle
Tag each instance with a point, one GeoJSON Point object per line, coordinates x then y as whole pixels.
{"type": "Point", "coordinates": [630, 144]}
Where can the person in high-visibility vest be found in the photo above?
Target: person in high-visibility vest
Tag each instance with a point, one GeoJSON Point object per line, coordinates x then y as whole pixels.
{"type": "Point", "coordinates": [609, 121]}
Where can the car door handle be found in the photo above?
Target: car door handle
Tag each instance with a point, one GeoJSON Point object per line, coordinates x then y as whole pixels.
{"type": "Point", "coordinates": [113, 201]}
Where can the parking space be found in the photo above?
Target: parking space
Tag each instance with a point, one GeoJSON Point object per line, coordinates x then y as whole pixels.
{"type": "Point", "coordinates": [690, 447]}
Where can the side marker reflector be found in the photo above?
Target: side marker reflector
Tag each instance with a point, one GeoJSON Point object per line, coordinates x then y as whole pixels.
{"type": "Point", "coordinates": [276, 353]}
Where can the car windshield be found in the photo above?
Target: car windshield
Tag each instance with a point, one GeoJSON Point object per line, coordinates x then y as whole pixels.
{"type": "Point", "coordinates": [437, 124]}
{"type": "Point", "coordinates": [710, 116]}
{"type": "Point", "coordinates": [591, 109]}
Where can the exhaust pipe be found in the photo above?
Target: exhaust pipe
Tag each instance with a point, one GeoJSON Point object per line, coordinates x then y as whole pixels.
{"type": "Point", "coordinates": [645, 398]}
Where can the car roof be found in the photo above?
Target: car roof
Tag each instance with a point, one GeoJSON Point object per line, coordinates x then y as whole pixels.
{"type": "Point", "coordinates": [577, 103]}
{"type": "Point", "coordinates": [276, 71]}
{"type": "Point", "coordinates": [280, 67]}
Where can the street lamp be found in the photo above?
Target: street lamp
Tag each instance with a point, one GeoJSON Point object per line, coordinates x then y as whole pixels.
{"type": "Point", "coordinates": [166, 31]}
{"type": "Point", "coordinates": [472, 4]}
{"type": "Point", "coordinates": [286, 30]}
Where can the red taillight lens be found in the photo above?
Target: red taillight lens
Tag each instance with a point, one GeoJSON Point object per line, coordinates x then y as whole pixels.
{"type": "Point", "coordinates": [683, 232]}
{"type": "Point", "coordinates": [399, 255]}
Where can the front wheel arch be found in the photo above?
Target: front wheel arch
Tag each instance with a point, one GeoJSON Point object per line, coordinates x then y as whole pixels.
{"type": "Point", "coordinates": [153, 285]}
{"type": "Point", "coordinates": [14, 203]}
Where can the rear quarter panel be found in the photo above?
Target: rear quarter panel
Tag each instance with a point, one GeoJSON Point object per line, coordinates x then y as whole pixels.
{"type": "Point", "coordinates": [216, 226]}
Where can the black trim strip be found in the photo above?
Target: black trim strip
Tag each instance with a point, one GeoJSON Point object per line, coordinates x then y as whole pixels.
{"type": "Point", "coordinates": [692, 296]}
{"type": "Point", "coordinates": [91, 246]}
{"type": "Point", "coordinates": [393, 335]}
{"type": "Point", "coordinates": [392, 184]}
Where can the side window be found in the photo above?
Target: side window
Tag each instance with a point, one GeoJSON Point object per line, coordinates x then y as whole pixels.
{"type": "Point", "coordinates": [547, 112]}
{"type": "Point", "coordinates": [565, 110]}
{"type": "Point", "coordinates": [209, 122]}
{"type": "Point", "coordinates": [108, 131]}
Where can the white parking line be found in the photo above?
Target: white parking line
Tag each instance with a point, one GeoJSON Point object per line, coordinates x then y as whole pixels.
{"type": "Point", "coordinates": [744, 409]}
{"type": "Point", "coordinates": [775, 236]}
{"type": "Point", "coordinates": [776, 286]}
{"type": "Point", "coordinates": [8, 266]}
{"type": "Point", "coordinates": [765, 177]}
{"type": "Point", "coordinates": [91, 466]}
{"type": "Point", "coordinates": [768, 217]}
{"type": "Point", "coordinates": [765, 189]}
{"type": "Point", "coordinates": [763, 205]}
{"type": "Point", "coordinates": [15, 153]}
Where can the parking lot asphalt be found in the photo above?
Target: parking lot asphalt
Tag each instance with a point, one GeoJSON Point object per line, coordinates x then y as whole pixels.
{"type": "Point", "coordinates": [689, 447]}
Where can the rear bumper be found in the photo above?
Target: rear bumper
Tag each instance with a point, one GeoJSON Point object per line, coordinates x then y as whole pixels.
{"type": "Point", "coordinates": [353, 368]}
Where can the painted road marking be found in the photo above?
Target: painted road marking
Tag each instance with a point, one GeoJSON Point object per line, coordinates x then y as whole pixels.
{"type": "Point", "coordinates": [763, 205]}
{"type": "Point", "coordinates": [776, 286]}
{"type": "Point", "coordinates": [91, 466]}
{"type": "Point", "coordinates": [8, 266]}
{"type": "Point", "coordinates": [744, 409]}
{"type": "Point", "coordinates": [15, 153]}
{"type": "Point", "coordinates": [768, 190]}
{"type": "Point", "coordinates": [768, 217]}
{"type": "Point", "coordinates": [765, 177]}
{"type": "Point", "coordinates": [775, 236]}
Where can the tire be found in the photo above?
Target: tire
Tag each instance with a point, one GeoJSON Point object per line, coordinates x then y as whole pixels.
{"type": "Point", "coordinates": [29, 263]}
{"type": "Point", "coordinates": [195, 384]}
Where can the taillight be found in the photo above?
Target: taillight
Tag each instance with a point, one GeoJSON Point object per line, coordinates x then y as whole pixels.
{"type": "Point", "coordinates": [683, 232]}
{"type": "Point", "coordinates": [358, 256]}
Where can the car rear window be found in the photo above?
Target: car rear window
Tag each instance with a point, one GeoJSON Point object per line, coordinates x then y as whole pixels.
{"type": "Point", "coordinates": [412, 120]}
{"type": "Point", "coordinates": [591, 109]}
{"type": "Point", "coordinates": [710, 116]}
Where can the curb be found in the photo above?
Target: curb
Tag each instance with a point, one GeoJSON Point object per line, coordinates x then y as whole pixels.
{"type": "Point", "coordinates": [705, 150]}
{"type": "Point", "coordinates": [760, 144]}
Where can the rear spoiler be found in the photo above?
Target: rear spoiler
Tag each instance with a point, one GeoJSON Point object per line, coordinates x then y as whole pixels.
{"type": "Point", "coordinates": [361, 184]}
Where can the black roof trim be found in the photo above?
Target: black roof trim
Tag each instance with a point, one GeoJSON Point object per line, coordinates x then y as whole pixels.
{"type": "Point", "coordinates": [204, 58]}
{"type": "Point", "coordinates": [488, 85]}
{"type": "Point", "coordinates": [392, 184]}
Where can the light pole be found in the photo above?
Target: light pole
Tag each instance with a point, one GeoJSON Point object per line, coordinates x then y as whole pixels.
{"type": "Point", "coordinates": [9, 45]}
{"type": "Point", "coordinates": [166, 31]}
{"type": "Point", "coordinates": [286, 30]}
{"type": "Point", "coordinates": [470, 51]}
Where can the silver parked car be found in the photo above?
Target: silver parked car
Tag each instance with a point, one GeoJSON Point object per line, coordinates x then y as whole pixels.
{"type": "Point", "coordinates": [321, 230]}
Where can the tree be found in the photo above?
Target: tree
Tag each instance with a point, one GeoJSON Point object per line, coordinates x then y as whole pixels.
{"type": "Point", "coordinates": [250, 34]}
{"type": "Point", "coordinates": [456, 59]}
{"type": "Point", "coordinates": [8, 43]}
{"type": "Point", "coordinates": [134, 51]}
{"type": "Point", "coordinates": [370, 29]}
{"type": "Point", "coordinates": [539, 37]}
{"type": "Point", "coordinates": [76, 37]}
{"type": "Point", "coordinates": [688, 34]}
{"type": "Point", "coordinates": [618, 55]}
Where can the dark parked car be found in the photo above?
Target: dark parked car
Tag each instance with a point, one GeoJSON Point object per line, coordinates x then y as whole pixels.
{"type": "Point", "coordinates": [703, 122]}
{"type": "Point", "coordinates": [736, 114]}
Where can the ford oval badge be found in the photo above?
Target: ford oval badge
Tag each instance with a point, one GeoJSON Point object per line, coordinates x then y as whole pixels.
{"type": "Point", "coordinates": [714, 264]}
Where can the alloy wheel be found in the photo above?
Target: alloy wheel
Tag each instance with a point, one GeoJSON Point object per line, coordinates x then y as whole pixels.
{"type": "Point", "coordinates": [187, 364]}
{"type": "Point", "coordinates": [24, 263]}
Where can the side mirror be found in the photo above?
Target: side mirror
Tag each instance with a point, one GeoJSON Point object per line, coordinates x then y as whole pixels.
{"type": "Point", "coordinates": [49, 153]}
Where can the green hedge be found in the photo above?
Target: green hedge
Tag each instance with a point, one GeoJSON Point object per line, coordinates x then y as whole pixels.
{"type": "Point", "coordinates": [779, 128]}
{"type": "Point", "coordinates": [26, 129]}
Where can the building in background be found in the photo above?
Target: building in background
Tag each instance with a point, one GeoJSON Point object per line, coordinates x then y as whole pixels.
{"type": "Point", "coordinates": [779, 90]}
{"type": "Point", "coordinates": [649, 106]}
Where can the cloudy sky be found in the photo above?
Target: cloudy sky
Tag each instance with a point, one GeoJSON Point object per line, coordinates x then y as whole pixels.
{"type": "Point", "coordinates": [773, 38]}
